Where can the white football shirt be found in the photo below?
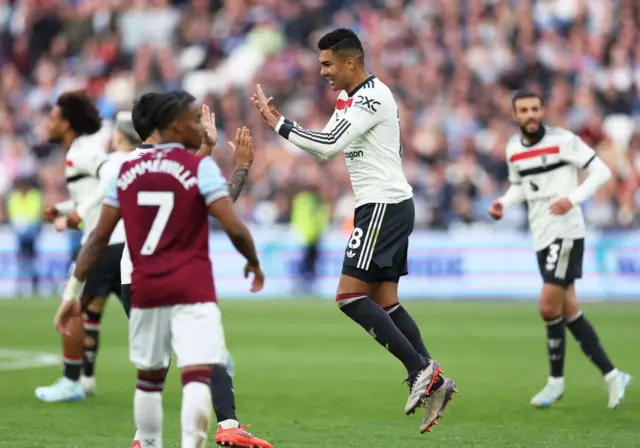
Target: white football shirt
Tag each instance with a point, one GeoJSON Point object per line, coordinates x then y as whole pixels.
{"type": "Point", "coordinates": [84, 163]}
{"type": "Point", "coordinates": [548, 171]}
{"type": "Point", "coordinates": [366, 127]}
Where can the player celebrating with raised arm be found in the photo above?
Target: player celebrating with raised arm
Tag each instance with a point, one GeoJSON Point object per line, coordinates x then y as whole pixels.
{"type": "Point", "coordinates": [173, 294]}
{"type": "Point", "coordinates": [543, 170]}
{"type": "Point", "coordinates": [365, 126]}
{"type": "Point", "coordinates": [145, 121]}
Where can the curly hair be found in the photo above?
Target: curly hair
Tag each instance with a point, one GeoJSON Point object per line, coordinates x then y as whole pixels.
{"type": "Point", "coordinates": [78, 109]}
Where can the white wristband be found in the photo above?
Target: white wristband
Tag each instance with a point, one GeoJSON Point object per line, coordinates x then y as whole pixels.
{"type": "Point", "coordinates": [73, 290]}
{"type": "Point", "coordinates": [280, 123]}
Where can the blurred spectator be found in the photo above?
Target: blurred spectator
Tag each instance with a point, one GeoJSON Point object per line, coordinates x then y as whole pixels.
{"type": "Point", "coordinates": [452, 64]}
{"type": "Point", "coordinates": [310, 218]}
{"type": "Point", "coordinates": [24, 208]}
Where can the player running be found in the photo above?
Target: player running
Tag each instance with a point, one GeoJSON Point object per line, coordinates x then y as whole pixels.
{"type": "Point", "coordinates": [75, 123]}
{"type": "Point", "coordinates": [543, 170]}
{"type": "Point", "coordinates": [145, 121]}
{"type": "Point", "coordinates": [366, 128]}
{"type": "Point", "coordinates": [173, 294]}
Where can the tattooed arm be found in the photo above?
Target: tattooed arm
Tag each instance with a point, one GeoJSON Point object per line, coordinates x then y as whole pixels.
{"type": "Point", "coordinates": [238, 179]}
{"type": "Point", "coordinates": [243, 148]}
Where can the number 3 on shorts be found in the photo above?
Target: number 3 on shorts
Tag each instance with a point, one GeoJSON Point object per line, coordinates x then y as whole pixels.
{"type": "Point", "coordinates": [164, 200]}
{"type": "Point", "coordinates": [552, 257]}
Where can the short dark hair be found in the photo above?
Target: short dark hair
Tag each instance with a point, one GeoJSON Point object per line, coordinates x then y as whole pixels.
{"type": "Point", "coordinates": [522, 94]}
{"type": "Point", "coordinates": [78, 109]}
{"type": "Point", "coordinates": [140, 114]}
{"type": "Point", "coordinates": [166, 107]}
{"type": "Point", "coordinates": [342, 40]}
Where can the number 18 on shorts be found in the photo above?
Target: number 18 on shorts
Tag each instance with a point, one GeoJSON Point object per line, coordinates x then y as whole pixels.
{"type": "Point", "coordinates": [378, 246]}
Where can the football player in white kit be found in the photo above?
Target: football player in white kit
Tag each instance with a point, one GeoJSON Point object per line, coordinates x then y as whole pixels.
{"type": "Point", "coordinates": [543, 171]}
{"type": "Point", "coordinates": [76, 124]}
{"type": "Point", "coordinates": [365, 127]}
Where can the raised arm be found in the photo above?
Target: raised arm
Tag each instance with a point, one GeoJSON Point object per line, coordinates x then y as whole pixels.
{"type": "Point", "coordinates": [362, 114]}
{"type": "Point", "coordinates": [243, 149]}
{"type": "Point", "coordinates": [213, 188]}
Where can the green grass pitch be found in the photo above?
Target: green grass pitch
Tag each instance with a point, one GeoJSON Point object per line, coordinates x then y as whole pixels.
{"type": "Point", "coordinates": [306, 377]}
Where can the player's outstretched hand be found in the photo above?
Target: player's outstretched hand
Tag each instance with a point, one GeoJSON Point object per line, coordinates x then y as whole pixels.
{"type": "Point", "coordinates": [496, 210]}
{"type": "Point", "coordinates": [67, 310]}
{"type": "Point", "coordinates": [208, 120]}
{"type": "Point", "coordinates": [265, 106]}
{"type": "Point", "coordinates": [243, 147]}
{"type": "Point", "coordinates": [258, 276]}
{"type": "Point", "coordinates": [561, 206]}
{"type": "Point", "coordinates": [49, 213]}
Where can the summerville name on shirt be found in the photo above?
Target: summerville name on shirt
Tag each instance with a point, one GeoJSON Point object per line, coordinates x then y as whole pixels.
{"type": "Point", "coordinates": [171, 167]}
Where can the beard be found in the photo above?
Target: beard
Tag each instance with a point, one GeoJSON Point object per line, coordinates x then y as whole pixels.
{"type": "Point", "coordinates": [534, 136]}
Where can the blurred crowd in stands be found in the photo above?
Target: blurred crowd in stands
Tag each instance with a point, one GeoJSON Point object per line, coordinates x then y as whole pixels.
{"type": "Point", "coordinates": [452, 64]}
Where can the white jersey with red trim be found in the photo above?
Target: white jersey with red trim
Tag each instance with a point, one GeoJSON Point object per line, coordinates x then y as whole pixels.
{"type": "Point", "coordinates": [548, 171]}
{"type": "Point", "coordinates": [366, 127]}
{"type": "Point", "coordinates": [84, 161]}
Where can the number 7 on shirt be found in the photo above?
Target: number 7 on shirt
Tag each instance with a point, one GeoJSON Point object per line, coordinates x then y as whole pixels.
{"type": "Point", "coordinates": [164, 200]}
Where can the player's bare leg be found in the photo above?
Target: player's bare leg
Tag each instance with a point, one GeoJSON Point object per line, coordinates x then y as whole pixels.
{"type": "Point", "coordinates": [551, 310]}
{"type": "Point", "coordinates": [92, 318]}
{"type": "Point", "coordinates": [354, 300]}
{"type": "Point", "coordinates": [68, 388]}
{"type": "Point", "coordinates": [385, 294]}
{"type": "Point", "coordinates": [195, 416]}
{"type": "Point", "coordinates": [147, 409]}
{"type": "Point", "coordinates": [616, 382]}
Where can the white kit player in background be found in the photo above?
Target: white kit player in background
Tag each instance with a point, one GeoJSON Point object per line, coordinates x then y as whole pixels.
{"type": "Point", "coordinates": [365, 127]}
{"type": "Point", "coordinates": [544, 163]}
{"type": "Point", "coordinates": [75, 124]}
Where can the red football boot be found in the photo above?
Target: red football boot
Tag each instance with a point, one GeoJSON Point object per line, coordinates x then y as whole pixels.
{"type": "Point", "coordinates": [239, 438]}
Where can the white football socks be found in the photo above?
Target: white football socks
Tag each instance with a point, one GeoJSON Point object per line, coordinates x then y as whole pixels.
{"type": "Point", "coordinates": [196, 414]}
{"type": "Point", "coordinates": [147, 410]}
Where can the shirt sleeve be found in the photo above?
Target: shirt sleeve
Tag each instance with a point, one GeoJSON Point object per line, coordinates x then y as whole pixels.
{"type": "Point", "coordinates": [109, 171]}
{"type": "Point", "coordinates": [211, 182]}
{"type": "Point", "coordinates": [514, 174]}
{"type": "Point", "coordinates": [577, 153]}
{"type": "Point", "coordinates": [90, 161]}
{"type": "Point", "coordinates": [515, 193]}
{"type": "Point", "coordinates": [111, 190]}
{"type": "Point", "coordinates": [364, 113]}
{"type": "Point", "coordinates": [66, 207]}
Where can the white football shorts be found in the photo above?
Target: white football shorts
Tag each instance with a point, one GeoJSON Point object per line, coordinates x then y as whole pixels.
{"type": "Point", "coordinates": [193, 331]}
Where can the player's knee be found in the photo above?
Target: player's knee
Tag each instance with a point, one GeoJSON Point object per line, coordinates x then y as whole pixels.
{"type": "Point", "coordinates": [89, 341]}
{"type": "Point", "coordinates": [196, 374]}
{"type": "Point", "coordinates": [552, 301]}
{"type": "Point", "coordinates": [151, 380]}
{"type": "Point", "coordinates": [343, 299]}
{"type": "Point", "coordinates": [571, 311]}
{"type": "Point", "coordinates": [96, 305]}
